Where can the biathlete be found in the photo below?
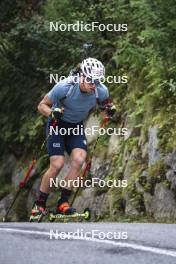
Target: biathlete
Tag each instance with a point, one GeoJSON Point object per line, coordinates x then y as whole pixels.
{"type": "Point", "coordinates": [69, 103]}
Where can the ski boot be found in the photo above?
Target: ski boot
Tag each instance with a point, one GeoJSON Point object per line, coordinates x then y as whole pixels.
{"type": "Point", "coordinates": [37, 213]}
{"type": "Point", "coordinates": [65, 208]}
{"type": "Point", "coordinates": [63, 212]}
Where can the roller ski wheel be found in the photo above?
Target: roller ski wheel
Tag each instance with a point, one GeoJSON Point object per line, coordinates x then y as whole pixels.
{"type": "Point", "coordinates": [87, 214]}
{"type": "Point", "coordinates": [37, 214]}
{"type": "Point", "coordinates": [51, 216]}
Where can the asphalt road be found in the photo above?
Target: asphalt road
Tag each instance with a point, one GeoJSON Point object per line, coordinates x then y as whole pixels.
{"type": "Point", "coordinates": [29, 243]}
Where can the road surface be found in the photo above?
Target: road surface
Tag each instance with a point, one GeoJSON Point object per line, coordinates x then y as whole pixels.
{"type": "Point", "coordinates": [104, 243]}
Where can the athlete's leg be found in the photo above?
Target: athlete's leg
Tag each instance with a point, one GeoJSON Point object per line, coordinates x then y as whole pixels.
{"type": "Point", "coordinates": [76, 147]}
{"type": "Point", "coordinates": [55, 147]}
{"type": "Point", "coordinates": [77, 158]}
{"type": "Point", "coordinates": [56, 164]}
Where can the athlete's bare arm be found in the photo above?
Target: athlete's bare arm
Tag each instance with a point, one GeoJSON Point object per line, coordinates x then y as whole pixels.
{"type": "Point", "coordinates": [44, 106]}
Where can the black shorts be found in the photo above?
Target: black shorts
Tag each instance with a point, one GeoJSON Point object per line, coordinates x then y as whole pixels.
{"type": "Point", "coordinates": [65, 137]}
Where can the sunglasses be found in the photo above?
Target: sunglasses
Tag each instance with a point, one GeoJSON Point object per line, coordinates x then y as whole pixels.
{"type": "Point", "coordinates": [91, 82]}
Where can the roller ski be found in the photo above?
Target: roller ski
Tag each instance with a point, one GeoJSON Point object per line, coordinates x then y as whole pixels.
{"type": "Point", "coordinates": [38, 213]}
{"type": "Point", "coordinates": [66, 212]}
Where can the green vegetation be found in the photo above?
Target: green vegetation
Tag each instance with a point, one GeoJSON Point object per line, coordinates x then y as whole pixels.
{"type": "Point", "coordinates": [29, 52]}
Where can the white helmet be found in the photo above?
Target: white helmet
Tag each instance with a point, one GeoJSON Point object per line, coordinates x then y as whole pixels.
{"type": "Point", "coordinates": [93, 68]}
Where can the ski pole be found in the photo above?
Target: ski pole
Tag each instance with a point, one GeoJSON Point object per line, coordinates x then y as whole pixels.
{"type": "Point", "coordinates": [22, 184]}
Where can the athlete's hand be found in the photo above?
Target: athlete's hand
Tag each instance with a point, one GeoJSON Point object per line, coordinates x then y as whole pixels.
{"type": "Point", "coordinates": [109, 108]}
{"type": "Point", "coordinates": [57, 113]}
